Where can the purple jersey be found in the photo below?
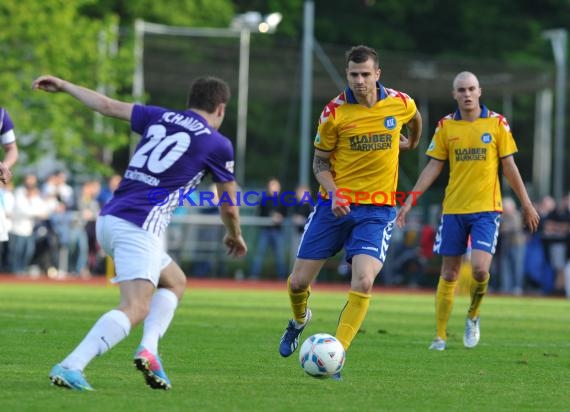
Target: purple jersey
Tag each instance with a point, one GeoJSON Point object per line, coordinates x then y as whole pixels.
{"type": "Point", "coordinates": [176, 151]}
{"type": "Point", "coordinates": [6, 128]}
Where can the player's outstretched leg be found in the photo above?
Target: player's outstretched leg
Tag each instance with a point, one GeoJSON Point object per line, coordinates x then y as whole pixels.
{"type": "Point", "coordinates": [68, 378]}
{"type": "Point", "coordinates": [151, 368]}
{"type": "Point", "coordinates": [290, 339]}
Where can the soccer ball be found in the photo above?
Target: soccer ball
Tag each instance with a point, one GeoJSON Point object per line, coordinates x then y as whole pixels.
{"type": "Point", "coordinates": [321, 355]}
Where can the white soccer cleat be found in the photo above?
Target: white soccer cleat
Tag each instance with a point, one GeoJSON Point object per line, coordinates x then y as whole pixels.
{"type": "Point", "coordinates": [472, 335]}
{"type": "Point", "coordinates": [437, 344]}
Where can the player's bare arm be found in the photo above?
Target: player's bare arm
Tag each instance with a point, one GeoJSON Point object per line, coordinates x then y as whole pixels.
{"type": "Point", "coordinates": [414, 127]}
{"type": "Point", "coordinates": [10, 157]}
{"type": "Point", "coordinates": [323, 174]}
{"type": "Point", "coordinates": [431, 171]}
{"type": "Point", "coordinates": [530, 215]}
{"type": "Point", "coordinates": [90, 98]}
{"type": "Point", "coordinates": [229, 212]}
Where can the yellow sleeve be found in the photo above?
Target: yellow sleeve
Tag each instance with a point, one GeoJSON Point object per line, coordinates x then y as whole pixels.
{"type": "Point", "coordinates": [438, 147]}
{"type": "Point", "coordinates": [326, 138]}
{"type": "Point", "coordinates": [411, 109]}
{"type": "Point", "coordinates": [506, 145]}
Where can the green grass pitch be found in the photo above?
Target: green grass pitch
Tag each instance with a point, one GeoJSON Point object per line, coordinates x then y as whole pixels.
{"type": "Point", "coordinates": [221, 354]}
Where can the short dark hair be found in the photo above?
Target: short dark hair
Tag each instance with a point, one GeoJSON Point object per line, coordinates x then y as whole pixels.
{"type": "Point", "coordinates": [207, 93]}
{"type": "Point", "coordinates": [361, 53]}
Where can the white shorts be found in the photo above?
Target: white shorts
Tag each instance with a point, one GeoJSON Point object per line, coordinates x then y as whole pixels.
{"type": "Point", "coordinates": [137, 254]}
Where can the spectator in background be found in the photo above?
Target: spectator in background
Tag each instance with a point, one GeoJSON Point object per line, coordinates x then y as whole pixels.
{"type": "Point", "coordinates": [46, 240]}
{"type": "Point", "coordinates": [537, 269]}
{"type": "Point", "coordinates": [56, 186]}
{"type": "Point", "coordinates": [6, 207]}
{"type": "Point", "coordinates": [82, 231]}
{"type": "Point", "coordinates": [299, 214]}
{"type": "Point", "coordinates": [29, 207]}
{"type": "Point", "coordinates": [546, 205]}
{"type": "Point", "coordinates": [107, 191]}
{"type": "Point", "coordinates": [271, 236]}
{"type": "Point", "coordinates": [57, 229]}
{"type": "Point", "coordinates": [427, 239]}
{"type": "Point", "coordinates": [555, 237]}
{"type": "Point", "coordinates": [105, 195]}
{"type": "Point", "coordinates": [206, 260]}
{"type": "Point", "coordinates": [511, 249]}
{"type": "Point", "coordinates": [564, 283]}
{"type": "Point", "coordinates": [408, 264]}
{"type": "Point", "coordinates": [567, 267]}
{"type": "Point", "coordinates": [8, 141]}
{"type": "Point", "coordinates": [60, 221]}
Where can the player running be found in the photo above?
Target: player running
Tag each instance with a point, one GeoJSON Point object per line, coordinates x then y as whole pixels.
{"type": "Point", "coordinates": [177, 149]}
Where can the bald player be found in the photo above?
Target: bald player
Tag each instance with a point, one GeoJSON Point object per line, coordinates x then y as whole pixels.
{"type": "Point", "coordinates": [475, 141]}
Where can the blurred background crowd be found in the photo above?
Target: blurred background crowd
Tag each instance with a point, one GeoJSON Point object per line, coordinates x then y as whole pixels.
{"type": "Point", "coordinates": [52, 233]}
{"type": "Point", "coordinates": [52, 226]}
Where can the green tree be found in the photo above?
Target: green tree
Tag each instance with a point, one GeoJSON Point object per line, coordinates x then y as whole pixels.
{"type": "Point", "coordinates": [49, 36]}
{"type": "Point", "coordinates": [195, 13]}
{"type": "Point", "coordinates": [80, 41]}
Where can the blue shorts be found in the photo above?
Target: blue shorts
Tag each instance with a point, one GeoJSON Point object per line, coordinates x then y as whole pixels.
{"type": "Point", "coordinates": [366, 230]}
{"type": "Point", "coordinates": [455, 230]}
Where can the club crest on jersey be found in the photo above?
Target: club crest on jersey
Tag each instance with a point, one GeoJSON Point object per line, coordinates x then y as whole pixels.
{"type": "Point", "coordinates": [318, 138]}
{"type": "Point", "coordinates": [390, 122]}
{"type": "Point", "coordinates": [486, 138]}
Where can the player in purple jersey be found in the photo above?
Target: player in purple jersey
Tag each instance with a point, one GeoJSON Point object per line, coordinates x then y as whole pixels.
{"type": "Point", "coordinates": [176, 150]}
{"type": "Point", "coordinates": [8, 140]}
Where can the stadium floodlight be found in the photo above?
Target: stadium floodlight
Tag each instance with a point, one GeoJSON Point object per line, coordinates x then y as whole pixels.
{"type": "Point", "coordinates": [255, 22]}
{"type": "Point", "coordinates": [251, 21]}
{"type": "Point", "coordinates": [558, 39]}
{"type": "Point", "coordinates": [270, 23]}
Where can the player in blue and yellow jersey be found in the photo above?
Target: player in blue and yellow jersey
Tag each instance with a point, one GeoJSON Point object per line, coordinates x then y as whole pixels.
{"type": "Point", "coordinates": [474, 140]}
{"type": "Point", "coordinates": [356, 164]}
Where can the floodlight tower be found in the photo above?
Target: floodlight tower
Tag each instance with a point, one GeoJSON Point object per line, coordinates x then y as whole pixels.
{"type": "Point", "coordinates": [245, 23]}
